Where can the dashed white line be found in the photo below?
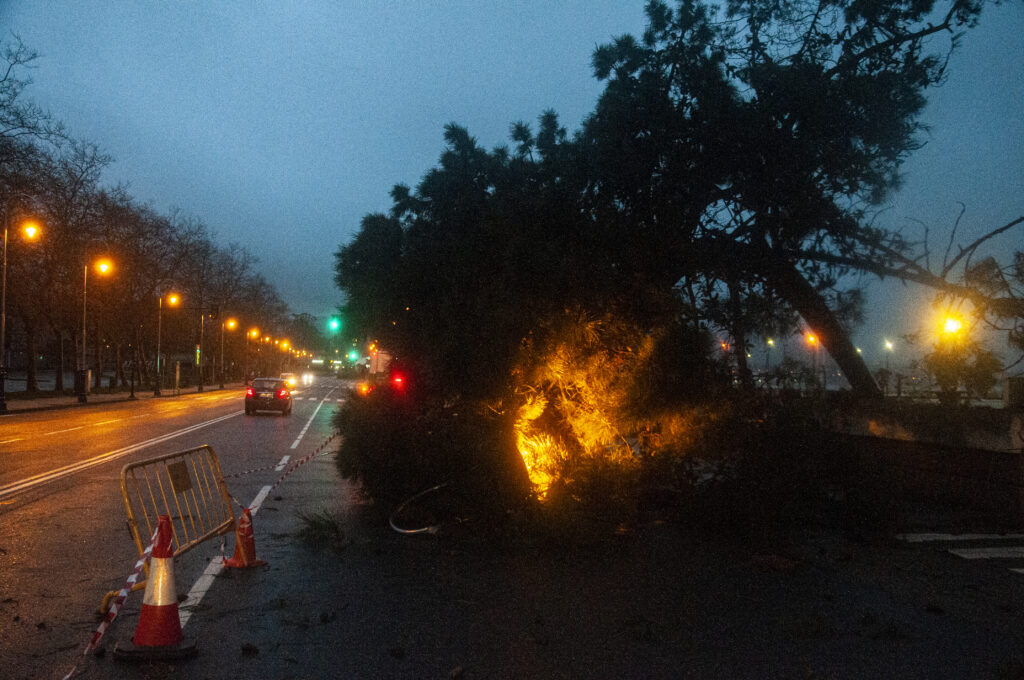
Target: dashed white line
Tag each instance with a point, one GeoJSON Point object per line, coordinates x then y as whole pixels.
{"type": "Point", "coordinates": [70, 429]}
{"type": "Point", "coordinates": [107, 422]}
{"type": "Point", "coordinates": [280, 466]}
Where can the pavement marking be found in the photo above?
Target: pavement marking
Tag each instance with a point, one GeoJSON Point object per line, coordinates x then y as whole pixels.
{"type": "Point", "coordinates": [58, 473]}
{"type": "Point", "coordinates": [921, 538]}
{"type": "Point", "coordinates": [212, 571]}
{"type": "Point", "coordinates": [280, 466]}
{"type": "Point", "coordinates": [11, 441]}
{"type": "Point", "coordinates": [199, 589]}
{"type": "Point", "coordinates": [1014, 552]}
{"type": "Point", "coordinates": [309, 422]}
{"type": "Point", "coordinates": [107, 422]}
{"type": "Point", "coordinates": [70, 429]}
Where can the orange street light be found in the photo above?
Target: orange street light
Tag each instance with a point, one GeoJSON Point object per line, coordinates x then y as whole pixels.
{"type": "Point", "coordinates": [173, 299]}
{"type": "Point", "coordinates": [952, 325]}
{"type": "Point", "coordinates": [103, 266]}
{"type": "Point", "coordinates": [30, 231]}
{"type": "Point", "coordinates": [230, 325]}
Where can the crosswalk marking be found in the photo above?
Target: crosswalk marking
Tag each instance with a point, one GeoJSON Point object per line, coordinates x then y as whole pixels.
{"type": "Point", "coordinates": [1013, 552]}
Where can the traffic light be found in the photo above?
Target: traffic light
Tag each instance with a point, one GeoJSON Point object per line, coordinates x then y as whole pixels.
{"type": "Point", "coordinates": [334, 324]}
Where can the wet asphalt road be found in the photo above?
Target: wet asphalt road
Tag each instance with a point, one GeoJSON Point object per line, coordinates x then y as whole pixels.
{"type": "Point", "coordinates": [63, 536]}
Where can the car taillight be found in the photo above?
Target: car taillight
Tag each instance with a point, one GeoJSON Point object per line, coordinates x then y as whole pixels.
{"type": "Point", "coordinates": [249, 392]}
{"type": "Point", "coordinates": [282, 394]}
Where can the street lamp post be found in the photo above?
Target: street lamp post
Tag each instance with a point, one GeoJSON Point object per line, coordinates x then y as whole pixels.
{"type": "Point", "coordinates": [231, 323]}
{"type": "Point", "coordinates": [103, 266]}
{"type": "Point", "coordinates": [172, 300]}
{"type": "Point", "coordinates": [30, 231]}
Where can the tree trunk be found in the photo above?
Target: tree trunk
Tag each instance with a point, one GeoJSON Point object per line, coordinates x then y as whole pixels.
{"type": "Point", "coordinates": [31, 375]}
{"type": "Point", "coordinates": [791, 285]}
{"type": "Point", "coordinates": [738, 331]}
{"type": "Point", "coordinates": [58, 377]}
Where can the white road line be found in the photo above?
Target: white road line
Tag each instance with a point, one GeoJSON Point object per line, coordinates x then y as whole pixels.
{"type": "Point", "coordinates": [254, 507]}
{"type": "Point", "coordinates": [70, 429]}
{"type": "Point", "coordinates": [213, 569]}
{"type": "Point", "coordinates": [216, 565]}
{"type": "Point", "coordinates": [1014, 552]}
{"type": "Point", "coordinates": [202, 585]}
{"type": "Point", "coordinates": [295, 444]}
{"type": "Point", "coordinates": [46, 477]}
{"type": "Point", "coordinates": [107, 422]}
{"type": "Point", "coordinates": [921, 538]}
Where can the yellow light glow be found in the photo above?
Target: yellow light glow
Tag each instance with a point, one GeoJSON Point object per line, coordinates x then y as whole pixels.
{"type": "Point", "coordinates": [104, 266]}
{"type": "Point", "coordinates": [811, 339]}
{"type": "Point", "coordinates": [31, 229]}
{"type": "Point", "coordinates": [952, 325]}
{"type": "Point", "coordinates": [254, 332]}
{"type": "Point", "coordinates": [231, 323]}
{"type": "Point", "coordinates": [173, 300]}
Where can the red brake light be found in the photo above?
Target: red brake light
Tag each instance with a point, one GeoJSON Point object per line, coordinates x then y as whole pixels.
{"type": "Point", "coordinates": [249, 392]}
{"type": "Point", "coordinates": [398, 380]}
{"type": "Point", "coordinates": [282, 394]}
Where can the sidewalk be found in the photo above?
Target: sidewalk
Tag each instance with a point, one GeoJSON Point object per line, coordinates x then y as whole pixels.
{"type": "Point", "coordinates": [18, 402]}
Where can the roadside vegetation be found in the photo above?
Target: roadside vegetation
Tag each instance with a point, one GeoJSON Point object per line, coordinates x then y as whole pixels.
{"type": "Point", "coordinates": [574, 311]}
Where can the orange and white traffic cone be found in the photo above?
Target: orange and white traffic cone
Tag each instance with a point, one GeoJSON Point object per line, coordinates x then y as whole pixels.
{"type": "Point", "coordinates": [158, 635]}
{"type": "Point", "coordinates": [245, 544]}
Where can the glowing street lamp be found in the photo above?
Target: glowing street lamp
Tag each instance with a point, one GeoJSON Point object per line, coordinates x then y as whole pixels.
{"type": "Point", "coordinates": [30, 231]}
{"type": "Point", "coordinates": [952, 325]}
{"type": "Point", "coordinates": [173, 299]}
{"type": "Point", "coordinates": [104, 267]}
{"type": "Point", "coordinates": [230, 324]}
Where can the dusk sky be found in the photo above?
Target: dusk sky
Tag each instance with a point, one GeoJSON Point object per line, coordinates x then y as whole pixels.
{"type": "Point", "coordinates": [281, 124]}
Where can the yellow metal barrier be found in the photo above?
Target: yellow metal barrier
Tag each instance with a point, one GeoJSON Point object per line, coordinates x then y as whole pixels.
{"type": "Point", "coordinates": [188, 486]}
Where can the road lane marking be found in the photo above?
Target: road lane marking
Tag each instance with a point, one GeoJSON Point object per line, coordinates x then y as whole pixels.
{"type": "Point", "coordinates": [213, 569]}
{"type": "Point", "coordinates": [201, 587]}
{"type": "Point", "coordinates": [52, 475]}
{"type": "Point", "coordinates": [295, 444]}
{"type": "Point", "coordinates": [280, 466]}
{"type": "Point", "coordinates": [70, 429]}
{"type": "Point", "coordinates": [1014, 552]}
{"type": "Point", "coordinates": [11, 441]}
{"type": "Point", "coordinates": [921, 538]}
{"type": "Point", "coordinates": [107, 422]}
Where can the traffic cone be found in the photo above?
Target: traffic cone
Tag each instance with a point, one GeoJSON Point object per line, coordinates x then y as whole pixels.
{"type": "Point", "coordinates": [245, 544]}
{"type": "Point", "coordinates": [158, 635]}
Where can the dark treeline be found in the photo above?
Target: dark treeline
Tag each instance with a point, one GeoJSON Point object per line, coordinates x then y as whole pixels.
{"type": "Point", "coordinates": [48, 176]}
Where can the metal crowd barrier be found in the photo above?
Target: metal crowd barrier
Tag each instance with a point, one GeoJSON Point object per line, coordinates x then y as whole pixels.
{"type": "Point", "coordinates": [188, 486]}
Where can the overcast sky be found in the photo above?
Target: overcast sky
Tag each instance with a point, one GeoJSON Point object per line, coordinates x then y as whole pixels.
{"type": "Point", "coordinates": [280, 124]}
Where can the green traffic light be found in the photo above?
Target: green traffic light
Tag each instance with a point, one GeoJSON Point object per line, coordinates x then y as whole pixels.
{"type": "Point", "coordinates": [334, 324]}
{"type": "Point", "coordinates": [353, 355]}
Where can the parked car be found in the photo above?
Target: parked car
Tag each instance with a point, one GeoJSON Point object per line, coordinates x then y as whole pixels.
{"type": "Point", "coordinates": [268, 394]}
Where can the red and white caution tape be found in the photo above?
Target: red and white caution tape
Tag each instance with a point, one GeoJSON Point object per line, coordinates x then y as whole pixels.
{"type": "Point", "coordinates": [118, 601]}
{"type": "Point", "coordinates": [291, 468]}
